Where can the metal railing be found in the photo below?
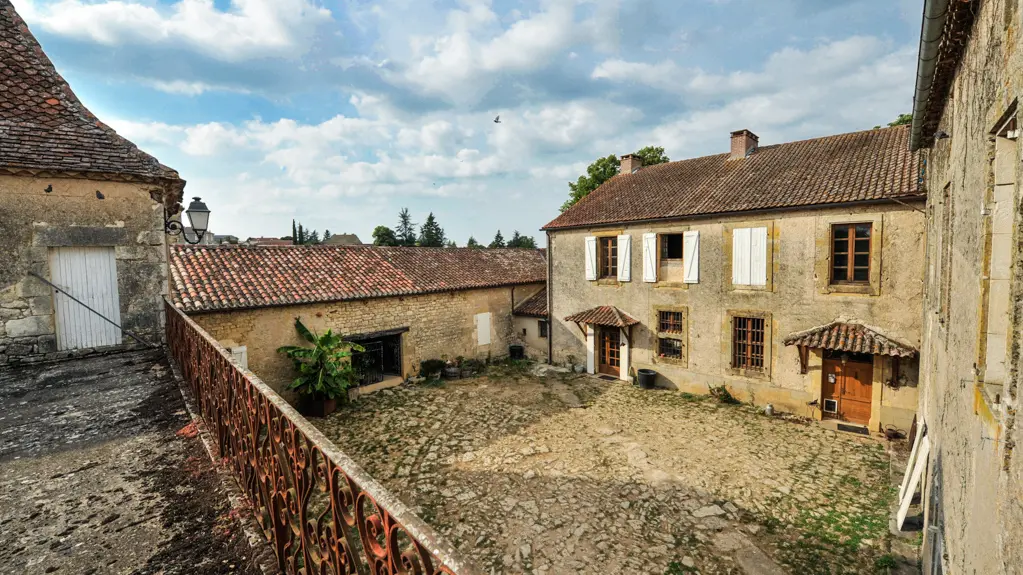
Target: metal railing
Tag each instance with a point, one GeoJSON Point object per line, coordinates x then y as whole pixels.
{"type": "Point", "coordinates": [317, 508]}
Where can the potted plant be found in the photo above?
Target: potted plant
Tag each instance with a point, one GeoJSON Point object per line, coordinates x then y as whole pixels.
{"type": "Point", "coordinates": [325, 370]}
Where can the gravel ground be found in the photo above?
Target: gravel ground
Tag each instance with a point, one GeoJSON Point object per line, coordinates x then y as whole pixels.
{"type": "Point", "coordinates": [101, 472]}
{"type": "Point", "coordinates": [561, 473]}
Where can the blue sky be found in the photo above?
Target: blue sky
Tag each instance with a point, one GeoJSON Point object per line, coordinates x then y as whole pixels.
{"type": "Point", "coordinates": [338, 114]}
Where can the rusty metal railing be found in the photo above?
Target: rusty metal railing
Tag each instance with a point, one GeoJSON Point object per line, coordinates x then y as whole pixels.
{"type": "Point", "coordinates": [321, 513]}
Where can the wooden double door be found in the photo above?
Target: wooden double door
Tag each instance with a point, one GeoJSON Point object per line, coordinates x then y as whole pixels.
{"type": "Point", "coordinates": [846, 389]}
{"type": "Point", "coordinates": [609, 350]}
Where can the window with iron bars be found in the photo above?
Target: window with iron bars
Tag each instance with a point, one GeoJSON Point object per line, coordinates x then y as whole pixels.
{"type": "Point", "coordinates": [669, 321]}
{"type": "Point", "coordinates": [669, 348]}
{"type": "Point", "coordinates": [748, 343]}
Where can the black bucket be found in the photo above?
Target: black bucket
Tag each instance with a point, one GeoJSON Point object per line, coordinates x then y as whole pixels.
{"type": "Point", "coordinates": [646, 377]}
{"type": "Point", "coordinates": [516, 351]}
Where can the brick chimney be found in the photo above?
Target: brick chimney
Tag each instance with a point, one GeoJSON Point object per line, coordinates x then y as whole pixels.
{"type": "Point", "coordinates": [631, 163]}
{"type": "Point", "coordinates": [743, 143]}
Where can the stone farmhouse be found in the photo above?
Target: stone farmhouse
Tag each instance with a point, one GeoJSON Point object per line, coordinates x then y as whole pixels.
{"type": "Point", "coordinates": [403, 305]}
{"type": "Point", "coordinates": [790, 273]}
{"type": "Point", "coordinates": [966, 117]}
{"type": "Point", "coordinates": [79, 206]}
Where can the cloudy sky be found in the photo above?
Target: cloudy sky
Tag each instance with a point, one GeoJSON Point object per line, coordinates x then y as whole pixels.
{"type": "Point", "coordinates": [339, 113]}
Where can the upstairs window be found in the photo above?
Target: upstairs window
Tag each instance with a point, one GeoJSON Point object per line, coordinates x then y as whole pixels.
{"type": "Point", "coordinates": [607, 257]}
{"type": "Point", "coordinates": [669, 322]}
{"type": "Point", "coordinates": [748, 343]}
{"type": "Point", "coordinates": [850, 253]}
{"type": "Point", "coordinates": [671, 247]}
{"type": "Point", "coordinates": [749, 257]}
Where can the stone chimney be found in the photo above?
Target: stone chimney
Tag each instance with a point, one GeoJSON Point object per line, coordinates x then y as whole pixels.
{"type": "Point", "coordinates": [631, 163]}
{"type": "Point", "coordinates": [744, 142]}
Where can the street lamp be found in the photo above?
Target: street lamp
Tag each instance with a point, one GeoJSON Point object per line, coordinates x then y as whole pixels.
{"type": "Point", "coordinates": [198, 215]}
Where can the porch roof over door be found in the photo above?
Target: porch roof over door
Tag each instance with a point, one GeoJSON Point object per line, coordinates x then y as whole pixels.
{"type": "Point", "coordinates": [851, 337]}
{"type": "Point", "coordinates": [607, 315]}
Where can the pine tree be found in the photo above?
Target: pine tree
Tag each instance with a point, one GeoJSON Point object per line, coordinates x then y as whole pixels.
{"type": "Point", "coordinates": [294, 232]}
{"type": "Point", "coordinates": [301, 235]}
{"type": "Point", "coordinates": [406, 230]}
{"type": "Point", "coordinates": [431, 235]}
{"type": "Point", "coordinates": [451, 244]}
{"type": "Point", "coordinates": [520, 241]}
{"type": "Point", "coordinates": [498, 241]}
{"type": "Point", "coordinates": [326, 235]}
{"type": "Point", "coordinates": [472, 243]}
{"type": "Point", "coordinates": [314, 238]}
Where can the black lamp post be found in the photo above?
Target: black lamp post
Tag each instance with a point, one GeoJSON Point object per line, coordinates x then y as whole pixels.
{"type": "Point", "coordinates": [198, 215]}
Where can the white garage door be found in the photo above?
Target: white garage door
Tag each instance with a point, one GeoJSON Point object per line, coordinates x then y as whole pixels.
{"type": "Point", "coordinates": [90, 275]}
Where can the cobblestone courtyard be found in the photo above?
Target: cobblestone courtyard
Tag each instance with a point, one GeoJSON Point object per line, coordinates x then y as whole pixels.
{"type": "Point", "coordinates": [572, 474]}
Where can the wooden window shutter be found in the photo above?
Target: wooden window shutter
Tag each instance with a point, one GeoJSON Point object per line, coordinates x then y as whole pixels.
{"type": "Point", "coordinates": [624, 258]}
{"type": "Point", "coordinates": [741, 256]}
{"type": "Point", "coordinates": [758, 257]}
{"type": "Point", "coordinates": [650, 258]}
{"type": "Point", "coordinates": [691, 257]}
{"type": "Point", "coordinates": [591, 258]}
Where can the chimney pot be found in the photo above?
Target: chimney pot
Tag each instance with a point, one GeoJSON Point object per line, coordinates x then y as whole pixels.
{"type": "Point", "coordinates": [631, 163]}
{"type": "Point", "coordinates": [744, 142]}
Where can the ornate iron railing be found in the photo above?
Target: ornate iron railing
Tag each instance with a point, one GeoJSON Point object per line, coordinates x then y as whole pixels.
{"type": "Point", "coordinates": [321, 513]}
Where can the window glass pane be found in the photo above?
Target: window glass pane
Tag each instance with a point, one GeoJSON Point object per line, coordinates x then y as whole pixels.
{"type": "Point", "coordinates": [861, 275]}
{"type": "Point", "coordinates": [841, 260]}
{"type": "Point", "coordinates": [840, 232]}
{"type": "Point", "coordinates": [669, 348]}
{"type": "Point", "coordinates": [671, 246]}
{"type": "Point", "coordinates": [840, 274]}
{"type": "Point", "coordinates": [862, 231]}
{"type": "Point", "coordinates": [862, 246]}
{"type": "Point", "coordinates": [862, 260]}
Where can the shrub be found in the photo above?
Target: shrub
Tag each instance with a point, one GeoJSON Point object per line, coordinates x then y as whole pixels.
{"type": "Point", "coordinates": [722, 394]}
{"type": "Point", "coordinates": [429, 367]}
{"type": "Point", "coordinates": [324, 370]}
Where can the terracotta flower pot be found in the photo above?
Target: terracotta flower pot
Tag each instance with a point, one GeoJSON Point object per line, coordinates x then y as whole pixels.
{"type": "Point", "coordinates": [315, 406]}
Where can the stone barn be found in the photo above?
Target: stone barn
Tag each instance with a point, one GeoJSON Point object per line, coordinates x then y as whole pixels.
{"type": "Point", "coordinates": [403, 305]}
{"type": "Point", "coordinates": [80, 207]}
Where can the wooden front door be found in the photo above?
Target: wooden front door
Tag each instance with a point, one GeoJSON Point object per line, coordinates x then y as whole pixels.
{"type": "Point", "coordinates": [609, 346]}
{"type": "Point", "coordinates": [846, 390]}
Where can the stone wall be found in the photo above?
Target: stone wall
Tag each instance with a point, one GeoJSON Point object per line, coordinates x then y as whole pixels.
{"type": "Point", "coordinates": [440, 326]}
{"type": "Point", "coordinates": [526, 332]}
{"type": "Point", "coordinates": [797, 297]}
{"type": "Point", "coordinates": [972, 424]}
{"type": "Point", "coordinates": [38, 214]}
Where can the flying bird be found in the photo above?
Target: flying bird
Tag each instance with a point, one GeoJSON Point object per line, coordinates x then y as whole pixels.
{"type": "Point", "coordinates": [497, 120]}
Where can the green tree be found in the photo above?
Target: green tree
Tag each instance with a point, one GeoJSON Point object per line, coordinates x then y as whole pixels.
{"type": "Point", "coordinates": [406, 230]}
{"type": "Point", "coordinates": [451, 244]}
{"type": "Point", "coordinates": [498, 241]}
{"type": "Point", "coordinates": [294, 232]}
{"type": "Point", "coordinates": [384, 236]}
{"type": "Point", "coordinates": [472, 243]}
{"type": "Point", "coordinates": [301, 235]}
{"type": "Point", "coordinates": [603, 169]}
{"type": "Point", "coordinates": [326, 235]}
{"type": "Point", "coordinates": [519, 241]}
{"type": "Point", "coordinates": [324, 370]}
{"type": "Point", "coordinates": [313, 238]}
{"type": "Point", "coordinates": [902, 120]}
{"type": "Point", "coordinates": [431, 235]}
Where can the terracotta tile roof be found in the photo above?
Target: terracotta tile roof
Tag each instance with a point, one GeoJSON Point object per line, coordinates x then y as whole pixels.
{"type": "Point", "coordinates": [43, 125]}
{"type": "Point", "coordinates": [208, 278]}
{"type": "Point", "coordinates": [854, 337]}
{"type": "Point", "coordinates": [604, 315]}
{"type": "Point", "coordinates": [534, 306]}
{"type": "Point", "coordinates": [861, 166]}
{"type": "Point", "coordinates": [268, 242]}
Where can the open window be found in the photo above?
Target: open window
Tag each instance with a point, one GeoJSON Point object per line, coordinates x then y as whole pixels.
{"type": "Point", "coordinates": [671, 247]}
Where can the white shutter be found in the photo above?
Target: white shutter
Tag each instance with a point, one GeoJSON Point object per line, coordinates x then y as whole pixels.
{"type": "Point", "coordinates": [758, 256]}
{"type": "Point", "coordinates": [483, 328]}
{"type": "Point", "coordinates": [691, 257]}
{"type": "Point", "coordinates": [591, 258]}
{"type": "Point", "coordinates": [650, 258]}
{"type": "Point", "coordinates": [624, 258]}
{"type": "Point", "coordinates": [740, 256]}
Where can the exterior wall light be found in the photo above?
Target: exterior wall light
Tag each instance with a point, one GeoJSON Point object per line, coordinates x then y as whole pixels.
{"type": "Point", "coordinates": [198, 215]}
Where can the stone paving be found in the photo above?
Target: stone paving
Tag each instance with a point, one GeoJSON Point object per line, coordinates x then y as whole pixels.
{"type": "Point", "coordinates": [572, 474]}
{"type": "Point", "coordinates": [101, 472]}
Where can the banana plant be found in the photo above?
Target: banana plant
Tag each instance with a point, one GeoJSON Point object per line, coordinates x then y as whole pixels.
{"type": "Point", "coordinates": [324, 370]}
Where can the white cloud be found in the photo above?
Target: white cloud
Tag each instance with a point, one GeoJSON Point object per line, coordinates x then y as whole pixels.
{"type": "Point", "coordinates": [248, 29]}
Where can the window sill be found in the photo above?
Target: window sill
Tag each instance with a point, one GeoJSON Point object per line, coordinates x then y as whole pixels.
{"type": "Point", "coordinates": [671, 335]}
{"type": "Point", "coordinates": [750, 288]}
{"type": "Point", "coordinates": [608, 282]}
{"type": "Point", "coordinates": [860, 289]}
{"type": "Point", "coordinates": [671, 285]}
{"type": "Point", "coordinates": [750, 373]}
{"type": "Point", "coordinates": [677, 362]}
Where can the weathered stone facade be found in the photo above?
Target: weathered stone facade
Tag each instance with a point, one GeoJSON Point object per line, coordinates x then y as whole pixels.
{"type": "Point", "coordinates": [797, 296]}
{"type": "Point", "coordinates": [38, 214]}
{"type": "Point", "coordinates": [439, 326]}
{"type": "Point", "coordinates": [973, 312]}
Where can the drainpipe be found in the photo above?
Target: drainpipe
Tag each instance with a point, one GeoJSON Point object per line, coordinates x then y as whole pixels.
{"type": "Point", "coordinates": [935, 13]}
{"type": "Point", "coordinates": [550, 300]}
